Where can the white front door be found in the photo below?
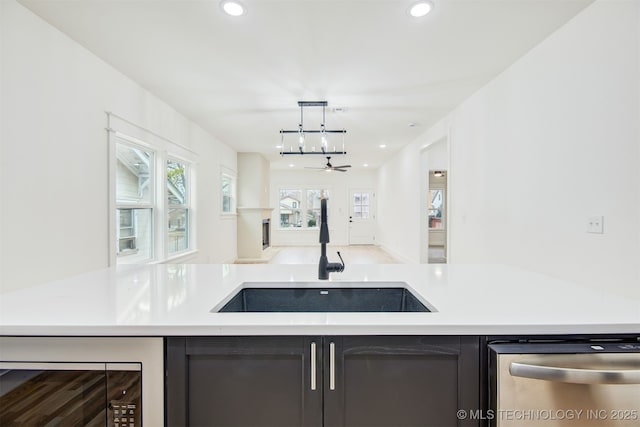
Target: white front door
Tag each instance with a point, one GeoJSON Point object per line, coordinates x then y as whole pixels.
{"type": "Point", "coordinates": [362, 217]}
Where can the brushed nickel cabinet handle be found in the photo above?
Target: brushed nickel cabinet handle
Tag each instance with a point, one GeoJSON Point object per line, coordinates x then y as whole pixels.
{"type": "Point", "coordinates": [575, 375]}
{"type": "Point", "coordinates": [332, 366]}
{"type": "Point", "coordinates": [313, 366]}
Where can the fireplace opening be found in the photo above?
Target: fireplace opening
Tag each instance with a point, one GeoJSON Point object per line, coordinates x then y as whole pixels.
{"type": "Point", "coordinates": [266, 232]}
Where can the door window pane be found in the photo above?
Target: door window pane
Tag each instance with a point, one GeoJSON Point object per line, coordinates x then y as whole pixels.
{"type": "Point", "coordinates": [361, 205]}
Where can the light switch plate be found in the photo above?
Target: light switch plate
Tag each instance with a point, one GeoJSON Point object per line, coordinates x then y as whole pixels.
{"type": "Point", "coordinates": [595, 224]}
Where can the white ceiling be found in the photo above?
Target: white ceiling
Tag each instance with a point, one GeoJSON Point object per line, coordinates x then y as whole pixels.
{"type": "Point", "coordinates": [240, 78]}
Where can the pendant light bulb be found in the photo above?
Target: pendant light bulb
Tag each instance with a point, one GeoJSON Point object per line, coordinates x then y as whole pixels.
{"type": "Point", "coordinates": [300, 135]}
{"type": "Point", "coordinates": [323, 134]}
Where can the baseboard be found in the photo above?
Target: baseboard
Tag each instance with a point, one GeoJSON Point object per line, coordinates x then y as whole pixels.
{"type": "Point", "coordinates": [267, 255]}
{"type": "Point", "coordinates": [400, 258]}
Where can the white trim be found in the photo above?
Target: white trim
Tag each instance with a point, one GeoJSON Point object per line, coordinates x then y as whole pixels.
{"type": "Point", "coordinates": [125, 132]}
{"type": "Point", "coordinates": [126, 123]}
{"type": "Point", "coordinates": [179, 257]}
{"type": "Point", "coordinates": [111, 195]}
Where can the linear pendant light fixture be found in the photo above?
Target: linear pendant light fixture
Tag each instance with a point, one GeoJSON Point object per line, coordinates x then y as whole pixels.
{"type": "Point", "coordinates": [323, 147]}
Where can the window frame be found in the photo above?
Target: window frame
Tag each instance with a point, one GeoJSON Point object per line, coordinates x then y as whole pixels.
{"type": "Point", "coordinates": [132, 205]}
{"type": "Point", "coordinates": [303, 205]}
{"type": "Point", "coordinates": [186, 205]}
{"type": "Point", "coordinates": [162, 151]}
{"type": "Point", "coordinates": [233, 197]}
{"type": "Point", "coordinates": [130, 238]}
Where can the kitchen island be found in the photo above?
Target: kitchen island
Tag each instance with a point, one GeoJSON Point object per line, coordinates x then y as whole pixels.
{"type": "Point", "coordinates": [327, 367]}
{"type": "Point", "coordinates": [177, 299]}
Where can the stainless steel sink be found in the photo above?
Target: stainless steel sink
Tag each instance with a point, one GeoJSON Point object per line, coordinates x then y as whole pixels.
{"type": "Point", "coordinates": [312, 297]}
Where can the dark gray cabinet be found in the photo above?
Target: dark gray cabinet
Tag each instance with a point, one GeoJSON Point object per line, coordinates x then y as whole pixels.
{"type": "Point", "coordinates": [351, 381]}
{"type": "Point", "coordinates": [242, 381]}
{"type": "Point", "coordinates": [401, 381]}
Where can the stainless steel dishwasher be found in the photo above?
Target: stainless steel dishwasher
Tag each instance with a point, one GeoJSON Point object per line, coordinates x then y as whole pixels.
{"type": "Point", "coordinates": [564, 383]}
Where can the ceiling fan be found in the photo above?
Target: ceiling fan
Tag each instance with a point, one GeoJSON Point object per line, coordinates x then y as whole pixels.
{"type": "Point", "coordinates": [329, 167]}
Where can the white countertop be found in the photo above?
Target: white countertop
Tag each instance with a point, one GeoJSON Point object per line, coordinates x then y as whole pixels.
{"type": "Point", "coordinates": [176, 299]}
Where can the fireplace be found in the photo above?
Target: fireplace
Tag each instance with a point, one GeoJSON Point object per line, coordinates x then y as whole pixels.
{"type": "Point", "coordinates": [266, 233]}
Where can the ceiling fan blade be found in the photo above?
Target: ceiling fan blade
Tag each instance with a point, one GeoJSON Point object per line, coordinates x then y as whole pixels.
{"type": "Point", "coordinates": [339, 170]}
{"type": "Point", "coordinates": [343, 166]}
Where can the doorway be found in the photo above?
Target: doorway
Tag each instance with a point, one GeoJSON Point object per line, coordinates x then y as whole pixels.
{"type": "Point", "coordinates": [436, 217]}
{"type": "Point", "coordinates": [435, 229]}
{"type": "Point", "coordinates": [362, 217]}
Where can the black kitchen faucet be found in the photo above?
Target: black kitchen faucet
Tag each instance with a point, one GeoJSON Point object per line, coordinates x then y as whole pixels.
{"type": "Point", "coordinates": [324, 266]}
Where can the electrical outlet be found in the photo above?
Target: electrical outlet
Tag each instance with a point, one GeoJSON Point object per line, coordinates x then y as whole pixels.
{"type": "Point", "coordinates": [595, 224]}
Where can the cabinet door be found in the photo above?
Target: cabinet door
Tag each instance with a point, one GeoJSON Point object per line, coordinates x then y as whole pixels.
{"type": "Point", "coordinates": [400, 381]}
{"type": "Point", "coordinates": [244, 381]}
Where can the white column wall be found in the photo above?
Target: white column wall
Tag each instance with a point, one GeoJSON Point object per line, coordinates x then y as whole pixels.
{"type": "Point", "coordinates": [54, 176]}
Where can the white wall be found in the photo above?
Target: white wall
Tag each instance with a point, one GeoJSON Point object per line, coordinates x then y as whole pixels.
{"type": "Point", "coordinates": [337, 183]}
{"type": "Point", "coordinates": [401, 199]}
{"type": "Point", "coordinates": [54, 177]}
{"type": "Point", "coordinates": [551, 141]}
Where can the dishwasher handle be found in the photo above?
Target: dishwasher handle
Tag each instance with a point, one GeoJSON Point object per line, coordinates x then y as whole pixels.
{"type": "Point", "coordinates": [574, 375]}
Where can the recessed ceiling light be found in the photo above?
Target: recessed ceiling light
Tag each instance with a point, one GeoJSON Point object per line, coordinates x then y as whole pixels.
{"type": "Point", "coordinates": [366, 165]}
{"type": "Point", "coordinates": [383, 145]}
{"type": "Point", "coordinates": [278, 146]}
{"type": "Point", "coordinates": [233, 8]}
{"type": "Point", "coordinates": [420, 9]}
{"type": "Point", "coordinates": [291, 165]}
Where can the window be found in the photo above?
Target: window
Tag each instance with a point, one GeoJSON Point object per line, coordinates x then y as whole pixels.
{"type": "Point", "coordinates": [177, 207]}
{"type": "Point", "coordinates": [134, 203]}
{"type": "Point", "coordinates": [361, 205]}
{"type": "Point", "coordinates": [290, 212]}
{"type": "Point", "coordinates": [313, 208]}
{"type": "Point", "coordinates": [228, 191]}
{"type": "Point", "coordinates": [151, 196]}
{"type": "Point", "coordinates": [300, 208]}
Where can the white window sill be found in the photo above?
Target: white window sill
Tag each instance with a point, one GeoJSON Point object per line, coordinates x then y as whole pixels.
{"type": "Point", "coordinates": [177, 257]}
